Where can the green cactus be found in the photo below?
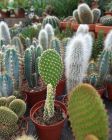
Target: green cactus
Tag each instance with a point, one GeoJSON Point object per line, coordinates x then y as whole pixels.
{"type": "Point", "coordinates": [18, 106]}
{"type": "Point", "coordinates": [10, 99]}
{"type": "Point", "coordinates": [106, 20]}
{"type": "Point", "coordinates": [54, 21]}
{"type": "Point", "coordinates": [76, 16]}
{"type": "Point", "coordinates": [50, 67]}
{"type": "Point", "coordinates": [3, 101]}
{"type": "Point", "coordinates": [87, 113]}
{"type": "Point", "coordinates": [91, 137]}
{"type": "Point", "coordinates": [92, 68]}
{"type": "Point", "coordinates": [2, 67]}
{"type": "Point", "coordinates": [49, 103]}
{"type": "Point", "coordinates": [96, 14]}
{"type": "Point", "coordinates": [85, 14]}
{"type": "Point", "coordinates": [27, 42]}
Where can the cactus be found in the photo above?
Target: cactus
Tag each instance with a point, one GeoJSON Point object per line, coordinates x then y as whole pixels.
{"type": "Point", "coordinates": [76, 16]}
{"type": "Point", "coordinates": [92, 67]}
{"type": "Point", "coordinates": [76, 61]}
{"type": "Point", "coordinates": [49, 103]}
{"type": "Point", "coordinates": [18, 45]}
{"type": "Point", "coordinates": [50, 31]}
{"type": "Point", "coordinates": [106, 20]}
{"type": "Point", "coordinates": [18, 106]}
{"type": "Point", "coordinates": [96, 14]}
{"type": "Point", "coordinates": [56, 45]}
{"type": "Point", "coordinates": [54, 21]}
{"type": "Point", "coordinates": [6, 85]}
{"type": "Point", "coordinates": [3, 101]}
{"type": "Point", "coordinates": [85, 14]}
{"type": "Point", "coordinates": [87, 113]}
{"type": "Point", "coordinates": [4, 33]}
{"type": "Point", "coordinates": [91, 137]}
{"type": "Point", "coordinates": [2, 67]}
{"type": "Point", "coordinates": [82, 29]}
{"type": "Point", "coordinates": [50, 67]}
{"type": "Point", "coordinates": [43, 39]}
{"type": "Point", "coordinates": [27, 42]}
{"type": "Point", "coordinates": [10, 99]}
{"type": "Point", "coordinates": [25, 137]}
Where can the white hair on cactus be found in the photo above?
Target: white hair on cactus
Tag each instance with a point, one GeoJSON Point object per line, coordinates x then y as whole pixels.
{"type": "Point", "coordinates": [108, 42]}
{"type": "Point", "coordinates": [82, 29]}
{"type": "Point", "coordinates": [43, 39]}
{"type": "Point", "coordinates": [25, 137]}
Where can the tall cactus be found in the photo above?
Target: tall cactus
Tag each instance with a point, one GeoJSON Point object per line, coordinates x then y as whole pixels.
{"type": "Point", "coordinates": [87, 113]}
{"type": "Point", "coordinates": [13, 65]}
{"type": "Point", "coordinates": [43, 39]}
{"type": "Point", "coordinates": [4, 33]}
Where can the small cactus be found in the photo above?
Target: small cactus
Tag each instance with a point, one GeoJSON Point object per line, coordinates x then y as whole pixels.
{"type": "Point", "coordinates": [10, 99]}
{"type": "Point", "coordinates": [3, 101]}
{"type": "Point", "coordinates": [76, 16]}
{"type": "Point", "coordinates": [92, 67]}
{"type": "Point", "coordinates": [27, 42]}
{"type": "Point", "coordinates": [106, 20]}
{"type": "Point", "coordinates": [96, 14]}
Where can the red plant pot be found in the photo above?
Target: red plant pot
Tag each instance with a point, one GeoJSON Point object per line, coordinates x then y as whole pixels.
{"type": "Point", "coordinates": [50, 132]}
{"type": "Point", "coordinates": [4, 14]}
{"type": "Point", "coordinates": [65, 24]}
{"type": "Point", "coordinates": [101, 91]}
{"type": "Point", "coordinates": [109, 90]}
{"type": "Point", "coordinates": [60, 87]}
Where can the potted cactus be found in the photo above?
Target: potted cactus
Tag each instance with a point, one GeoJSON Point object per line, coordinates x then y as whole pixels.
{"type": "Point", "coordinates": [11, 114]}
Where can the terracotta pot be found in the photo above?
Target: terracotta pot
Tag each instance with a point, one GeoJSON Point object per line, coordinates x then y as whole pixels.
{"type": "Point", "coordinates": [75, 26]}
{"type": "Point", "coordinates": [99, 27]}
{"type": "Point", "coordinates": [4, 14]}
{"type": "Point", "coordinates": [48, 132]}
{"type": "Point", "coordinates": [108, 13]}
{"type": "Point", "coordinates": [109, 90]}
{"type": "Point", "coordinates": [101, 91]}
{"type": "Point", "coordinates": [60, 87]}
{"type": "Point", "coordinates": [20, 13]}
{"type": "Point", "coordinates": [65, 24]}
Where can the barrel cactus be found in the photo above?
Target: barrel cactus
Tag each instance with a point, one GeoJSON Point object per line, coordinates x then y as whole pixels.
{"type": "Point", "coordinates": [106, 20]}
{"type": "Point", "coordinates": [3, 101]}
{"type": "Point", "coordinates": [50, 67]}
{"type": "Point", "coordinates": [54, 21]}
{"type": "Point", "coordinates": [87, 113]}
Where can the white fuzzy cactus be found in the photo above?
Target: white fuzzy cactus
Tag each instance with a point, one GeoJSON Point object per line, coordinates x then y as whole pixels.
{"type": "Point", "coordinates": [108, 42]}
{"type": "Point", "coordinates": [76, 60]}
{"type": "Point", "coordinates": [25, 137]}
{"type": "Point", "coordinates": [4, 33]}
{"type": "Point", "coordinates": [50, 31]}
{"type": "Point", "coordinates": [43, 39]}
{"type": "Point", "coordinates": [82, 29]}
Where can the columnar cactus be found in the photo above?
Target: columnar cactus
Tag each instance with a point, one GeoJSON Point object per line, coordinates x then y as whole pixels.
{"type": "Point", "coordinates": [50, 31]}
{"type": "Point", "coordinates": [25, 137]}
{"type": "Point", "coordinates": [82, 29]}
{"type": "Point", "coordinates": [49, 103]}
{"type": "Point", "coordinates": [28, 42]}
{"type": "Point", "coordinates": [54, 21]}
{"type": "Point", "coordinates": [96, 14]}
{"type": "Point", "coordinates": [87, 113]}
{"type": "Point", "coordinates": [50, 67]}
{"type": "Point", "coordinates": [13, 65]}
{"type": "Point", "coordinates": [76, 16]}
{"type": "Point", "coordinates": [106, 20]}
{"type": "Point", "coordinates": [43, 39]}
{"type": "Point", "coordinates": [4, 33]}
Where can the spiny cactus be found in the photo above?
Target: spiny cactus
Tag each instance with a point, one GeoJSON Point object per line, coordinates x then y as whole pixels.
{"type": "Point", "coordinates": [2, 67]}
{"type": "Point", "coordinates": [49, 103]}
{"type": "Point", "coordinates": [50, 67]}
{"type": "Point", "coordinates": [4, 33]}
{"type": "Point", "coordinates": [3, 101]}
{"type": "Point", "coordinates": [10, 99]}
{"type": "Point", "coordinates": [76, 61]}
{"type": "Point", "coordinates": [92, 67]}
{"type": "Point", "coordinates": [96, 14]}
{"type": "Point", "coordinates": [56, 45]}
{"type": "Point", "coordinates": [106, 20]}
{"type": "Point", "coordinates": [18, 106]}
{"type": "Point", "coordinates": [43, 39]}
{"type": "Point", "coordinates": [13, 65]}
{"type": "Point", "coordinates": [82, 29]}
{"type": "Point", "coordinates": [50, 31]}
{"type": "Point", "coordinates": [25, 137]}
{"type": "Point", "coordinates": [91, 137]}
{"type": "Point", "coordinates": [6, 85]}
{"type": "Point", "coordinates": [27, 42]}
{"type": "Point", "coordinates": [87, 113]}
{"type": "Point", "coordinates": [54, 21]}
{"type": "Point", "coordinates": [85, 14]}
{"type": "Point", "coordinates": [18, 45]}
{"type": "Point", "coordinates": [76, 16]}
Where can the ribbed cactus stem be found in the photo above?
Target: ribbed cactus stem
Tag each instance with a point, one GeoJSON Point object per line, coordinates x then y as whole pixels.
{"type": "Point", "coordinates": [49, 103]}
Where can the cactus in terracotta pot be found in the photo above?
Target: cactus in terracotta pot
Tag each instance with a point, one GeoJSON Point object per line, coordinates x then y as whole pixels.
{"type": "Point", "coordinates": [87, 113]}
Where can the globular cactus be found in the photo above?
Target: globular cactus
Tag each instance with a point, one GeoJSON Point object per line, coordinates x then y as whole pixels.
{"type": "Point", "coordinates": [96, 14]}
{"type": "Point", "coordinates": [18, 45]}
{"type": "Point", "coordinates": [76, 61]}
{"type": "Point", "coordinates": [91, 137]}
{"type": "Point", "coordinates": [4, 33]}
{"type": "Point", "coordinates": [87, 113]}
{"type": "Point", "coordinates": [10, 99]}
{"type": "Point", "coordinates": [54, 21]}
{"type": "Point", "coordinates": [49, 103]}
{"type": "Point", "coordinates": [85, 14]}
{"type": "Point", "coordinates": [13, 65]}
{"type": "Point", "coordinates": [50, 31]}
{"type": "Point", "coordinates": [106, 20]}
{"type": "Point", "coordinates": [25, 137]}
{"type": "Point", "coordinates": [76, 16]}
{"type": "Point", "coordinates": [18, 106]}
{"type": "Point", "coordinates": [56, 45]}
{"type": "Point", "coordinates": [43, 39]}
{"type": "Point", "coordinates": [50, 67]}
{"type": "Point", "coordinates": [3, 101]}
{"type": "Point", "coordinates": [6, 85]}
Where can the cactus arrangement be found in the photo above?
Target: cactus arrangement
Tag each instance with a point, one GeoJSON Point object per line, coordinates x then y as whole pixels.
{"type": "Point", "coordinates": [84, 15]}
{"type": "Point", "coordinates": [87, 113]}
{"type": "Point", "coordinates": [106, 20]}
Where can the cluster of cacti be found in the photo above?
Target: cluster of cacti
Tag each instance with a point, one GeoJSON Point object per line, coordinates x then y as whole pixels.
{"type": "Point", "coordinates": [98, 45]}
{"type": "Point", "coordinates": [87, 113]}
{"type": "Point", "coordinates": [11, 110]}
{"type": "Point", "coordinates": [25, 137]}
{"type": "Point", "coordinates": [84, 15]}
{"type": "Point", "coordinates": [54, 21]}
{"type": "Point", "coordinates": [49, 103]}
{"type": "Point", "coordinates": [106, 20]}
{"type": "Point", "coordinates": [13, 65]}
{"type": "Point", "coordinates": [31, 57]}
{"type": "Point", "coordinates": [76, 61]}
{"type": "Point", "coordinates": [50, 67]}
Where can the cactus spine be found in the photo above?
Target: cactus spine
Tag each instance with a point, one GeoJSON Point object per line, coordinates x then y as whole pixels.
{"type": "Point", "coordinates": [84, 106]}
